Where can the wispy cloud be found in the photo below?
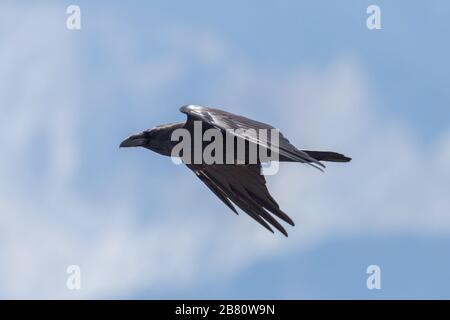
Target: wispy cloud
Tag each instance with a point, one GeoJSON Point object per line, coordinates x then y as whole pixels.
{"type": "Point", "coordinates": [61, 205]}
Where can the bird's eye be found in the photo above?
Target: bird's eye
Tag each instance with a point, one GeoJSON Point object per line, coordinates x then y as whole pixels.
{"type": "Point", "coordinates": [148, 134]}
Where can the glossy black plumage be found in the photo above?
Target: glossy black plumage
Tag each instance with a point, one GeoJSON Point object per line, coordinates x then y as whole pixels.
{"type": "Point", "coordinates": [239, 184]}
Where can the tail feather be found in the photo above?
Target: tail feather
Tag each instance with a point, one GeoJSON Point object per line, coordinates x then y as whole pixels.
{"type": "Point", "coordinates": [327, 156]}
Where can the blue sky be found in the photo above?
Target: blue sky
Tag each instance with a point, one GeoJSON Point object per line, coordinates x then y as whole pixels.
{"type": "Point", "coordinates": [68, 195]}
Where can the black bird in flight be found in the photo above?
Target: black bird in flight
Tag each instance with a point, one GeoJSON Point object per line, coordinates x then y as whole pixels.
{"type": "Point", "coordinates": [239, 183]}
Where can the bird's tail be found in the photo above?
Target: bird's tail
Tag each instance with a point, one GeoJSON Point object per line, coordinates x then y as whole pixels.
{"type": "Point", "coordinates": [327, 156]}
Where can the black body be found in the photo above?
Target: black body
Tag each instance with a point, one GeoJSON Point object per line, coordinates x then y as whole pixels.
{"type": "Point", "coordinates": [239, 183]}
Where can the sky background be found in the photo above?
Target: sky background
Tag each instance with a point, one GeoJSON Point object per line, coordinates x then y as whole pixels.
{"type": "Point", "coordinates": [140, 227]}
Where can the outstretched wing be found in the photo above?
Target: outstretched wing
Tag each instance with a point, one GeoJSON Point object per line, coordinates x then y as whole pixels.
{"type": "Point", "coordinates": [246, 187]}
{"type": "Point", "coordinates": [224, 120]}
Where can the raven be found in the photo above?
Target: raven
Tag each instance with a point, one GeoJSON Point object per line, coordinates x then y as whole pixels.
{"type": "Point", "coordinates": [240, 182]}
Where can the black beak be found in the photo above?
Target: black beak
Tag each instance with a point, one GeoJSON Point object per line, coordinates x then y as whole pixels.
{"type": "Point", "coordinates": [136, 140]}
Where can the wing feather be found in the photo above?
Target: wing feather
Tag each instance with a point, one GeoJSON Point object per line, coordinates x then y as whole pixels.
{"type": "Point", "coordinates": [224, 120]}
{"type": "Point", "coordinates": [245, 187]}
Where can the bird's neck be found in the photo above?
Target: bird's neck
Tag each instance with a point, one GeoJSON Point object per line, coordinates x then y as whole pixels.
{"type": "Point", "coordinates": [165, 143]}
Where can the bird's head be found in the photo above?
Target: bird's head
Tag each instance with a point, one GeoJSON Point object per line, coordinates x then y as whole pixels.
{"type": "Point", "coordinates": [157, 139]}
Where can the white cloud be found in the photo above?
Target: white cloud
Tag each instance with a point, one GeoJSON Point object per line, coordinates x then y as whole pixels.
{"type": "Point", "coordinates": [394, 183]}
{"type": "Point", "coordinates": [50, 220]}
